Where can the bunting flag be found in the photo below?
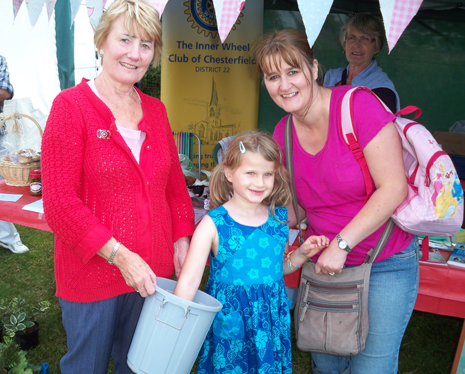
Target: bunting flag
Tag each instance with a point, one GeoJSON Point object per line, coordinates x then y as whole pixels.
{"type": "Point", "coordinates": [34, 8]}
{"type": "Point", "coordinates": [226, 12]}
{"type": "Point", "coordinates": [50, 6]}
{"type": "Point", "coordinates": [159, 5]}
{"type": "Point", "coordinates": [397, 14]}
{"type": "Point", "coordinates": [94, 11]}
{"type": "Point", "coordinates": [74, 9]}
{"type": "Point", "coordinates": [313, 15]}
{"type": "Point", "coordinates": [16, 6]}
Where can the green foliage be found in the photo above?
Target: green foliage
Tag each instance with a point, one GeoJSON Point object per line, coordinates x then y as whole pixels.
{"type": "Point", "coordinates": [12, 359]}
{"type": "Point", "coordinates": [18, 315]}
{"type": "Point", "coordinates": [151, 82]}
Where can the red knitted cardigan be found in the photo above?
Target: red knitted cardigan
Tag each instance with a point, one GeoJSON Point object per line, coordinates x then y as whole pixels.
{"type": "Point", "coordinates": [93, 189]}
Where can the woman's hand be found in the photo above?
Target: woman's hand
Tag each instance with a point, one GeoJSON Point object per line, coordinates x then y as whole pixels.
{"type": "Point", "coordinates": [136, 272]}
{"type": "Point", "coordinates": [331, 260]}
{"type": "Point", "coordinates": [181, 247]}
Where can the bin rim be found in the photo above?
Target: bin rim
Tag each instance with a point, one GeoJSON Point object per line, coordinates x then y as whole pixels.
{"type": "Point", "coordinates": [186, 303]}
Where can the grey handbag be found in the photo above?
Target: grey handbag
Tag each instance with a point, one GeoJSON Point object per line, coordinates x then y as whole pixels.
{"type": "Point", "coordinates": [331, 314]}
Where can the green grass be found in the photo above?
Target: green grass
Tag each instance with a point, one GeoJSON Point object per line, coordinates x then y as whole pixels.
{"type": "Point", "coordinates": [428, 346]}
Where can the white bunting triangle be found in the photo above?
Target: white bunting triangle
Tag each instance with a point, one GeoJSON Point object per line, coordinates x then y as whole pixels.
{"type": "Point", "coordinates": [94, 12]}
{"type": "Point", "coordinates": [314, 13]}
{"type": "Point", "coordinates": [74, 9]}
{"type": "Point", "coordinates": [50, 6]}
{"type": "Point", "coordinates": [34, 7]}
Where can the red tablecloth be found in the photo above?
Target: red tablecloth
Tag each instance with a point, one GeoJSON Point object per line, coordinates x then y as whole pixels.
{"type": "Point", "coordinates": [14, 212]}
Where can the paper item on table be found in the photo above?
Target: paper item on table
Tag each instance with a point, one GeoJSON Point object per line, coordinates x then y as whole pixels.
{"type": "Point", "coordinates": [10, 197]}
{"type": "Point", "coordinates": [36, 206]}
{"type": "Point", "coordinates": [292, 235]}
{"type": "Point", "coordinates": [457, 258]}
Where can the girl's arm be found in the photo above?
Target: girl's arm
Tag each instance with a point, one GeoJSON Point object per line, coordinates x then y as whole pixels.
{"type": "Point", "coordinates": [205, 238]}
{"type": "Point", "coordinates": [295, 259]}
{"type": "Point", "coordinates": [384, 159]}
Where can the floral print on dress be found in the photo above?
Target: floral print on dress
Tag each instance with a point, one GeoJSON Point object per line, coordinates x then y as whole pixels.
{"type": "Point", "coordinates": [246, 276]}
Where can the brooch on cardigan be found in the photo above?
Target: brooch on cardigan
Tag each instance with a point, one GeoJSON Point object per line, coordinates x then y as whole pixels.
{"type": "Point", "coordinates": [103, 134]}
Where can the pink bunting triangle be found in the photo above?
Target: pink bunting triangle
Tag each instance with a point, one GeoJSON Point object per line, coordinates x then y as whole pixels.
{"type": "Point", "coordinates": [226, 15]}
{"type": "Point", "coordinates": [16, 6]}
{"type": "Point", "coordinates": [402, 14]}
{"type": "Point", "coordinates": [159, 5]}
{"type": "Point", "coordinates": [50, 6]}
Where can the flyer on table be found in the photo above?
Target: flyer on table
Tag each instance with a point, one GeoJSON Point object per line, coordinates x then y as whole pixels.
{"type": "Point", "coordinates": [208, 87]}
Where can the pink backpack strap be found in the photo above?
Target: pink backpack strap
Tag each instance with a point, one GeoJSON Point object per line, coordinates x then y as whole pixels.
{"type": "Point", "coordinates": [350, 137]}
{"type": "Point", "coordinates": [410, 109]}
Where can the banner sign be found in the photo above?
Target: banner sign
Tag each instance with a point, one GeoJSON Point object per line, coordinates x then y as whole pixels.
{"type": "Point", "coordinates": [209, 88]}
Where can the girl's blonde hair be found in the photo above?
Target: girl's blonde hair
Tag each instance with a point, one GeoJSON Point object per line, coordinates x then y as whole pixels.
{"type": "Point", "coordinates": [257, 142]}
{"type": "Point", "coordinates": [138, 15]}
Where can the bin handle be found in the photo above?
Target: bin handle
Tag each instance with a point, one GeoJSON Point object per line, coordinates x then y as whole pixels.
{"type": "Point", "coordinates": [184, 320]}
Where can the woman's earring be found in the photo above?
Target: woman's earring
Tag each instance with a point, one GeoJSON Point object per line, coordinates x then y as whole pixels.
{"type": "Point", "coordinates": [101, 52]}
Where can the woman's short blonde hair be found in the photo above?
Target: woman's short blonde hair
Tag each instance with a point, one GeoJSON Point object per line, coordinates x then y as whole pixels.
{"type": "Point", "coordinates": [257, 142]}
{"type": "Point", "coordinates": [138, 15]}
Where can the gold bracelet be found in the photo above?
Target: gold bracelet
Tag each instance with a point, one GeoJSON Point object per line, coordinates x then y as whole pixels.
{"type": "Point", "coordinates": [113, 253]}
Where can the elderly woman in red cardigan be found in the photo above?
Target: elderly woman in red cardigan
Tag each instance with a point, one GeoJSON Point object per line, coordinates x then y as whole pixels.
{"type": "Point", "coordinates": [114, 193]}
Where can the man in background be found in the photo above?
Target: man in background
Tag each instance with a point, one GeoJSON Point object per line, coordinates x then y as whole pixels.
{"type": "Point", "coordinates": [9, 236]}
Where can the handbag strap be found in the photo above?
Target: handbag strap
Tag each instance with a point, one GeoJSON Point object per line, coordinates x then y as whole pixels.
{"type": "Point", "coordinates": [373, 253]}
{"type": "Point", "coordinates": [290, 169]}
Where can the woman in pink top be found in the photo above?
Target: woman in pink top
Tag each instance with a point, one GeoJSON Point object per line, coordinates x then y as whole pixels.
{"type": "Point", "coordinates": [331, 193]}
{"type": "Point", "coordinates": [114, 193]}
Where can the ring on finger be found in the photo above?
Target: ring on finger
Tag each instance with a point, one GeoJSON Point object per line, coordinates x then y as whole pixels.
{"type": "Point", "coordinates": [331, 273]}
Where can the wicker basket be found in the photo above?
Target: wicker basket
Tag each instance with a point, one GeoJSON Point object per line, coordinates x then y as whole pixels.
{"type": "Point", "coordinates": [17, 174]}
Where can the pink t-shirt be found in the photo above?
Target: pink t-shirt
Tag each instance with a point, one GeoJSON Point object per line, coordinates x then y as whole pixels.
{"type": "Point", "coordinates": [330, 185]}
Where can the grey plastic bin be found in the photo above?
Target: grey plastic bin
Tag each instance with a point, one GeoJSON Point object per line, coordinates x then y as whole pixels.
{"type": "Point", "coordinates": [170, 331]}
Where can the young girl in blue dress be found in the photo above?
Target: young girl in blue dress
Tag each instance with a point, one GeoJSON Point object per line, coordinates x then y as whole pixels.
{"type": "Point", "coordinates": [246, 235]}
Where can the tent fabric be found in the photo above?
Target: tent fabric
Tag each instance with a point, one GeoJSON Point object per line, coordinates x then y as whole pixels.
{"type": "Point", "coordinates": [32, 61]}
{"type": "Point", "coordinates": [65, 44]}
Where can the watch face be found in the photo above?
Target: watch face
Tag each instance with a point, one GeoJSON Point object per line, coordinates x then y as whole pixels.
{"type": "Point", "coordinates": [343, 244]}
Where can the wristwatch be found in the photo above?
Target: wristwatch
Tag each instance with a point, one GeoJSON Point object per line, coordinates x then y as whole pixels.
{"type": "Point", "coordinates": [343, 244]}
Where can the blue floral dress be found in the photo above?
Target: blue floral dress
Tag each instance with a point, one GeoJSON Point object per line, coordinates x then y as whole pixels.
{"type": "Point", "coordinates": [251, 334]}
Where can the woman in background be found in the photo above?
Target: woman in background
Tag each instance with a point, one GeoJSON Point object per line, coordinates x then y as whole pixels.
{"type": "Point", "coordinates": [362, 38]}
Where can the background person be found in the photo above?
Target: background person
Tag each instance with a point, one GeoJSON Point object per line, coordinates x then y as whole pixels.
{"type": "Point", "coordinates": [362, 38]}
{"type": "Point", "coordinates": [331, 193]}
{"type": "Point", "coordinates": [114, 193]}
{"type": "Point", "coordinates": [9, 236]}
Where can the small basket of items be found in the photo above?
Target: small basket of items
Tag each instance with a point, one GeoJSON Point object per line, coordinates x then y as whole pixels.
{"type": "Point", "coordinates": [22, 149]}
